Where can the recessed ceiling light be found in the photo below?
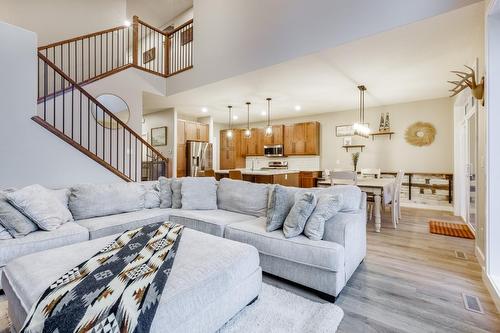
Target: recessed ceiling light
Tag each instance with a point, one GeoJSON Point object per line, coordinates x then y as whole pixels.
{"type": "Point", "coordinates": [298, 108]}
{"type": "Point", "coordinates": [127, 23]}
{"type": "Point", "coordinates": [263, 113]}
{"type": "Point", "coordinates": [235, 117]}
{"type": "Point", "coordinates": [204, 110]}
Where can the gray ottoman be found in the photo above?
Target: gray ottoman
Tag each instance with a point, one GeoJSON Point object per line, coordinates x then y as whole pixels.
{"type": "Point", "coordinates": [212, 279]}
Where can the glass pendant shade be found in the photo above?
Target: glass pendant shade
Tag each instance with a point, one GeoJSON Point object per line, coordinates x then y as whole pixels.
{"type": "Point", "coordinates": [269, 128]}
{"type": "Point", "coordinates": [360, 128]}
{"type": "Point", "coordinates": [229, 133]}
{"type": "Point", "coordinates": [248, 133]}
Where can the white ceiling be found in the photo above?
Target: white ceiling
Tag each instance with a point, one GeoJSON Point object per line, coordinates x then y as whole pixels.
{"type": "Point", "coordinates": [402, 65]}
{"type": "Point", "coordinates": [157, 12]}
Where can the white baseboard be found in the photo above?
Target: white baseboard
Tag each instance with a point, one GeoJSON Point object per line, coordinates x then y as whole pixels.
{"type": "Point", "coordinates": [493, 286]}
{"type": "Point", "coordinates": [480, 257]}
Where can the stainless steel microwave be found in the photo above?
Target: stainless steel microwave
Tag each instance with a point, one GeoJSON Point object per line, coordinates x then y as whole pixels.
{"type": "Point", "coordinates": [272, 151]}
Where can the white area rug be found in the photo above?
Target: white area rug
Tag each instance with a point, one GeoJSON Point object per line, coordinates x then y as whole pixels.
{"type": "Point", "coordinates": [275, 311]}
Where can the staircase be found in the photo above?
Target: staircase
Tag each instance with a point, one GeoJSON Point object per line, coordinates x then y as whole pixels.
{"type": "Point", "coordinates": [71, 113]}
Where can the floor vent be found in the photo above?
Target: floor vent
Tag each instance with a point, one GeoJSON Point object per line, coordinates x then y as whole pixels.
{"type": "Point", "coordinates": [460, 255]}
{"type": "Point", "coordinates": [472, 303]}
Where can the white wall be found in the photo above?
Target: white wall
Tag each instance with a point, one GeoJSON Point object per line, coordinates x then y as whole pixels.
{"type": "Point", "coordinates": [389, 155]}
{"type": "Point", "coordinates": [160, 119]}
{"type": "Point", "coordinates": [232, 37]}
{"type": "Point", "coordinates": [55, 20]}
{"type": "Point", "coordinates": [29, 153]}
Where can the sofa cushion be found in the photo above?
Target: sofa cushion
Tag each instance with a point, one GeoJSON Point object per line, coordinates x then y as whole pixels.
{"type": "Point", "coordinates": [301, 250]}
{"type": "Point", "coordinates": [43, 206]}
{"type": "Point", "coordinates": [165, 186]}
{"type": "Point", "coordinates": [152, 194]}
{"type": "Point", "coordinates": [208, 221]}
{"type": "Point", "coordinates": [199, 193]}
{"type": "Point", "coordinates": [242, 197]}
{"type": "Point", "coordinates": [68, 233]}
{"type": "Point", "coordinates": [91, 200]}
{"type": "Point", "coordinates": [296, 220]}
{"type": "Point", "coordinates": [113, 224]}
{"type": "Point", "coordinates": [211, 280]}
{"type": "Point", "coordinates": [351, 196]}
{"type": "Point", "coordinates": [13, 220]}
{"type": "Point", "coordinates": [328, 205]}
{"type": "Point", "coordinates": [176, 193]}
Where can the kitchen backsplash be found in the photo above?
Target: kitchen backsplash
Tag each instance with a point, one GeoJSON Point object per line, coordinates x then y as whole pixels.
{"type": "Point", "coordinates": [303, 163]}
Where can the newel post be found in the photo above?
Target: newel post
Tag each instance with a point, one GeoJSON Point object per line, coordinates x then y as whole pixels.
{"type": "Point", "coordinates": [166, 54]}
{"type": "Point", "coordinates": [135, 40]}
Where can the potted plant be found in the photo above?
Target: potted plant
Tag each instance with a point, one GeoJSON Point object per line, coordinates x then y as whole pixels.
{"type": "Point", "coordinates": [355, 159]}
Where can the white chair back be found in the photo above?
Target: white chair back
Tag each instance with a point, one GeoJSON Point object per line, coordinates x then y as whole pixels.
{"type": "Point", "coordinates": [349, 175]}
{"type": "Point", "coordinates": [375, 173]}
{"type": "Point", "coordinates": [396, 197]}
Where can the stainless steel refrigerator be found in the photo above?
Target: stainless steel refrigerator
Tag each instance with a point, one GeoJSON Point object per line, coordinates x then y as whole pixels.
{"type": "Point", "coordinates": [199, 158]}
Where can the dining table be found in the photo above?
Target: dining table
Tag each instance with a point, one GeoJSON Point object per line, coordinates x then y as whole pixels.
{"type": "Point", "coordinates": [381, 188]}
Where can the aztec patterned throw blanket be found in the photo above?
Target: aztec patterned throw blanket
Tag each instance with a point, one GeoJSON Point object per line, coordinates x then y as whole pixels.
{"type": "Point", "coordinates": [117, 290]}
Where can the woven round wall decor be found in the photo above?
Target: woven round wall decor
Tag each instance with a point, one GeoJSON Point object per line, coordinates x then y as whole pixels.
{"type": "Point", "coordinates": [420, 134]}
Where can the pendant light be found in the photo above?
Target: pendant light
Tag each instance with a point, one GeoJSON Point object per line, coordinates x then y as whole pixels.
{"type": "Point", "coordinates": [229, 133]}
{"type": "Point", "coordinates": [360, 128]}
{"type": "Point", "coordinates": [248, 132]}
{"type": "Point", "coordinates": [269, 128]}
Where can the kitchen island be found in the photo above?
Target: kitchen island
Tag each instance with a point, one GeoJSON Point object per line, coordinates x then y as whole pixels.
{"type": "Point", "coordinates": [284, 177]}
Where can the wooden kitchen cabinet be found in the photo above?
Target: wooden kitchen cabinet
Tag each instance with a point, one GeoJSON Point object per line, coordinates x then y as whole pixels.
{"type": "Point", "coordinates": [276, 138]}
{"type": "Point", "coordinates": [181, 130]}
{"type": "Point", "coordinates": [202, 132]}
{"type": "Point", "coordinates": [309, 179]}
{"type": "Point", "coordinates": [181, 160]}
{"type": "Point", "coordinates": [231, 154]}
{"type": "Point", "coordinates": [302, 139]}
{"type": "Point", "coordinates": [191, 132]}
{"type": "Point", "coordinates": [255, 144]}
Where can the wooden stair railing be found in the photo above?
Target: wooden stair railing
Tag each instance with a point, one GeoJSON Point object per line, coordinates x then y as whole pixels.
{"type": "Point", "coordinates": [78, 118]}
{"type": "Point", "coordinates": [94, 56]}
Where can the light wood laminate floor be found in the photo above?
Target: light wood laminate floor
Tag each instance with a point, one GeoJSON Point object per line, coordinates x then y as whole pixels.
{"type": "Point", "coordinates": [411, 281]}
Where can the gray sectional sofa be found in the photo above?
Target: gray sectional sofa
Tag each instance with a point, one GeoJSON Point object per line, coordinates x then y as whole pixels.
{"type": "Point", "coordinates": [239, 215]}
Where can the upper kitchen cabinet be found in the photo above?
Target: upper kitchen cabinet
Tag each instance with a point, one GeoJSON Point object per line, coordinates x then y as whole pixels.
{"type": "Point", "coordinates": [191, 130]}
{"type": "Point", "coordinates": [302, 139]}
{"type": "Point", "coordinates": [254, 146]}
{"type": "Point", "coordinates": [276, 138]}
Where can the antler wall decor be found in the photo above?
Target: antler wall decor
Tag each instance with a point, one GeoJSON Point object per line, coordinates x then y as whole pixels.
{"type": "Point", "coordinates": [468, 80]}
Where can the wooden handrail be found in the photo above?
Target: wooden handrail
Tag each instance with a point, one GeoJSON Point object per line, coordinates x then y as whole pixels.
{"type": "Point", "coordinates": [151, 27]}
{"type": "Point", "coordinates": [102, 107]}
{"type": "Point", "coordinates": [74, 39]}
{"type": "Point", "coordinates": [180, 27]}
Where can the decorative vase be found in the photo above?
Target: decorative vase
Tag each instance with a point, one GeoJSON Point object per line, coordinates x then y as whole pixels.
{"type": "Point", "coordinates": [382, 123]}
{"type": "Point", "coordinates": [387, 125]}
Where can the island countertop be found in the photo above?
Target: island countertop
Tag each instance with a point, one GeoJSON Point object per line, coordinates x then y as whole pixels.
{"type": "Point", "coordinates": [261, 172]}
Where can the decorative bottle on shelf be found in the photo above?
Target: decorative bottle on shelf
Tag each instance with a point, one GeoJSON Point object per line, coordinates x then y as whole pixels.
{"type": "Point", "coordinates": [387, 126]}
{"type": "Point", "coordinates": [381, 126]}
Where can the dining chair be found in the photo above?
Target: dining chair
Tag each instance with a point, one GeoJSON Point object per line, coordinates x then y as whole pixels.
{"type": "Point", "coordinates": [375, 173]}
{"type": "Point", "coordinates": [397, 192]}
{"type": "Point", "coordinates": [349, 175]}
{"type": "Point", "coordinates": [209, 173]}
{"type": "Point", "coordinates": [235, 174]}
{"type": "Point", "coordinates": [395, 200]}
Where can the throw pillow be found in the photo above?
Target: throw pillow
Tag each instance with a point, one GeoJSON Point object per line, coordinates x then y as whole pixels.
{"type": "Point", "coordinates": [91, 200]}
{"type": "Point", "coordinates": [14, 222]}
{"type": "Point", "coordinates": [243, 197]}
{"type": "Point", "coordinates": [328, 205]}
{"type": "Point", "coordinates": [199, 193]}
{"type": "Point", "coordinates": [165, 185]}
{"type": "Point", "coordinates": [176, 193]}
{"type": "Point", "coordinates": [62, 195]}
{"type": "Point", "coordinates": [41, 205]}
{"type": "Point", "coordinates": [280, 204]}
{"type": "Point", "coordinates": [300, 212]}
{"type": "Point", "coordinates": [351, 196]}
{"type": "Point", "coordinates": [152, 195]}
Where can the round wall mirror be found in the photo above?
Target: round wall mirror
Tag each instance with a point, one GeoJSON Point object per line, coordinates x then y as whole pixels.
{"type": "Point", "coordinates": [114, 104]}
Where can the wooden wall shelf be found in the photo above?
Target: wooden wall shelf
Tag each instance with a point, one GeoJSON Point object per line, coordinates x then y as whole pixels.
{"type": "Point", "coordinates": [353, 147]}
{"type": "Point", "coordinates": [373, 135]}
